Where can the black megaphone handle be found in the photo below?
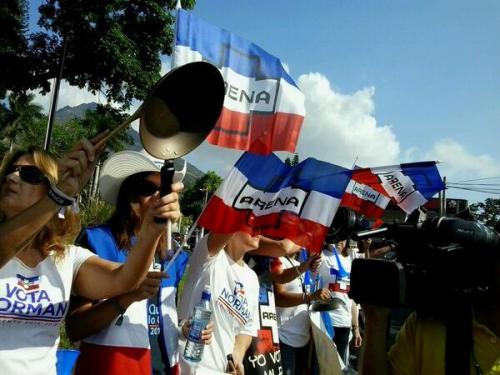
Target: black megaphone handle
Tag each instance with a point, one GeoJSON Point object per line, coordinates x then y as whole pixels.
{"type": "Point", "coordinates": [167, 175]}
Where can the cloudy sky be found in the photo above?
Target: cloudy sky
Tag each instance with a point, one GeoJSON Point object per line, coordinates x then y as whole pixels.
{"type": "Point", "coordinates": [385, 82]}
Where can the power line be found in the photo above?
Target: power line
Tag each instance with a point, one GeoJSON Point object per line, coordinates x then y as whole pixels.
{"type": "Point", "coordinates": [476, 190]}
{"type": "Point", "coordinates": [479, 179]}
{"type": "Point", "coordinates": [472, 184]}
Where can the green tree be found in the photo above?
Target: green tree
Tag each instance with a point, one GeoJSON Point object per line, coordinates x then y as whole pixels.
{"type": "Point", "coordinates": [193, 199]}
{"type": "Point", "coordinates": [112, 46]}
{"type": "Point", "coordinates": [13, 42]}
{"type": "Point", "coordinates": [488, 211]}
{"type": "Point", "coordinates": [17, 118]}
{"type": "Point", "coordinates": [64, 136]}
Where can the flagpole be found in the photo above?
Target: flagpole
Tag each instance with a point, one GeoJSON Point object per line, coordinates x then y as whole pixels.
{"type": "Point", "coordinates": [355, 161]}
{"type": "Point", "coordinates": [193, 226]}
{"type": "Point", "coordinates": [188, 235]}
{"type": "Point", "coordinates": [178, 6]}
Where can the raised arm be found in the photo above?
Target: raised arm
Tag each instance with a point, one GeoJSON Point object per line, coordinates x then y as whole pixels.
{"type": "Point", "coordinates": [289, 274]}
{"type": "Point", "coordinates": [289, 299]}
{"type": "Point", "coordinates": [74, 171]}
{"type": "Point", "coordinates": [216, 242]}
{"type": "Point", "coordinates": [275, 248]}
{"type": "Point", "coordinates": [99, 278]}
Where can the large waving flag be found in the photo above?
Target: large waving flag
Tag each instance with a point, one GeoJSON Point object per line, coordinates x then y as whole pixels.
{"type": "Point", "coordinates": [263, 107]}
{"type": "Point", "coordinates": [263, 195]}
{"type": "Point", "coordinates": [408, 185]}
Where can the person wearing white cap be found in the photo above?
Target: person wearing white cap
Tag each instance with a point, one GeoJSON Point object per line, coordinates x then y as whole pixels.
{"type": "Point", "coordinates": [134, 333]}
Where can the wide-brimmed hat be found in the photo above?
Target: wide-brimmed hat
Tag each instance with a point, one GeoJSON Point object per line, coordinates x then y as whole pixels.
{"type": "Point", "coordinates": [120, 166]}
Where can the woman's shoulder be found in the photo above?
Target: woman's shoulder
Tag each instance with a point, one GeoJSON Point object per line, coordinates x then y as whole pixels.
{"type": "Point", "coordinates": [75, 251]}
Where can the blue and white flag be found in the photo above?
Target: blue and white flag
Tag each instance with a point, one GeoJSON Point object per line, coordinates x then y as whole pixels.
{"type": "Point", "coordinates": [263, 107]}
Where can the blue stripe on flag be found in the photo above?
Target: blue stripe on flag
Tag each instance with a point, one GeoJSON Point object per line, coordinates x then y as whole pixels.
{"type": "Point", "coordinates": [425, 176]}
{"type": "Point", "coordinates": [269, 173]}
{"type": "Point", "coordinates": [225, 49]}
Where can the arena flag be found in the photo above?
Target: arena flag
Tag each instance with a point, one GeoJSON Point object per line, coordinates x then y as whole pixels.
{"type": "Point", "coordinates": [263, 195]}
{"type": "Point", "coordinates": [263, 107]}
{"type": "Point", "coordinates": [408, 185]}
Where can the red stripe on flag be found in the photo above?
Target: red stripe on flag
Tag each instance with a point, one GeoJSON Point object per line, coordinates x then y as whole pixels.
{"type": "Point", "coordinates": [224, 219]}
{"type": "Point", "coordinates": [367, 208]}
{"type": "Point", "coordinates": [257, 133]}
{"type": "Point", "coordinates": [365, 176]}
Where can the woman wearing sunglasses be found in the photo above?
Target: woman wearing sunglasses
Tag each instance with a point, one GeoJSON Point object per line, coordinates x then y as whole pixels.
{"type": "Point", "coordinates": [39, 271]}
{"type": "Point", "coordinates": [134, 333]}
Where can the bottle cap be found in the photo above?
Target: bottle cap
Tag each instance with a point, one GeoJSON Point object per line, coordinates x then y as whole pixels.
{"type": "Point", "coordinates": [206, 293]}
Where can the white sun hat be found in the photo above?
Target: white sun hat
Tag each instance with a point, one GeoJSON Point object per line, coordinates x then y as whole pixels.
{"type": "Point", "coordinates": [118, 167]}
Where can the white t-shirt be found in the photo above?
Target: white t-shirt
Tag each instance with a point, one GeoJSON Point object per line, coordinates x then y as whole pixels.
{"type": "Point", "coordinates": [234, 302]}
{"type": "Point", "coordinates": [293, 322]}
{"type": "Point", "coordinates": [33, 302]}
{"type": "Point", "coordinates": [328, 270]}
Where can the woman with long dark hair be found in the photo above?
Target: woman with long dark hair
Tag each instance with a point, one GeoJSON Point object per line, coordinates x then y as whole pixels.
{"type": "Point", "coordinates": [136, 332]}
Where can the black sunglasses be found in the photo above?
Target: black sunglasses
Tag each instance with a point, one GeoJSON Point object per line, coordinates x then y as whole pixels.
{"type": "Point", "coordinates": [28, 173]}
{"type": "Point", "coordinates": [145, 188]}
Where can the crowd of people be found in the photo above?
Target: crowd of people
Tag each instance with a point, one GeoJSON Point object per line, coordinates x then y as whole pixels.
{"type": "Point", "coordinates": [111, 289]}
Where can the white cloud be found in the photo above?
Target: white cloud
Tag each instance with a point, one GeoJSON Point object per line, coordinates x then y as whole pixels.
{"type": "Point", "coordinates": [68, 95]}
{"type": "Point", "coordinates": [459, 163]}
{"type": "Point", "coordinates": [339, 128]}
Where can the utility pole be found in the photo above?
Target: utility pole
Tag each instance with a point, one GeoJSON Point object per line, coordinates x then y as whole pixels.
{"type": "Point", "coordinates": [444, 196]}
{"type": "Point", "coordinates": [55, 95]}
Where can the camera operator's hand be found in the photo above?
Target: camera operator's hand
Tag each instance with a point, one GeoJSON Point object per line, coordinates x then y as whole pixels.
{"type": "Point", "coordinates": [320, 295]}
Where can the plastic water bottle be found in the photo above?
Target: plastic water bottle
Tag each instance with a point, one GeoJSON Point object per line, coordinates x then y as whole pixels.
{"type": "Point", "coordinates": [202, 313]}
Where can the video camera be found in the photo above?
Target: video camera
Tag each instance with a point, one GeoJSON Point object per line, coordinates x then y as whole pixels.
{"type": "Point", "coordinates": [431, 263]}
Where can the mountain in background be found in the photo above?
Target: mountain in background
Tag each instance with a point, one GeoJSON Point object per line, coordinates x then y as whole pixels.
{"type": "Point", "coordinates": [67, 113]}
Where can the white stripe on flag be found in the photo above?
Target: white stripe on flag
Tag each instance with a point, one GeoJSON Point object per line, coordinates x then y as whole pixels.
{"type": "Point", "coordinates": [412, 201]}
{"type": "Point", "coordinates": [366, 193]}
{"type": "Point", "coordinates": [245, 94]}
{"type": "Point", "coordinates": [320, 208]}
{"type": "Point", "coordinates": [316, 206]}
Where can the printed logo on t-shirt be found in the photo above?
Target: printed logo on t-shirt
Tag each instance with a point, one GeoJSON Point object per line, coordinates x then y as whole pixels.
{"type": "Point", "coordinates": [28, 283]}
{"type": "Point", "coordinates": [235, 303]}
{"type": "Point", "coordinates": [25, 300]}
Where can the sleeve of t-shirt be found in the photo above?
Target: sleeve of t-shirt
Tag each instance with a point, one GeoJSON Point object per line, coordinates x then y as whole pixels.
{"type": "Point", "coordinates": [79, 255]}
{"type": "Point", "coordinates": [401, 356]}
{"type": "Point", "coordinates": [253, 324]}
